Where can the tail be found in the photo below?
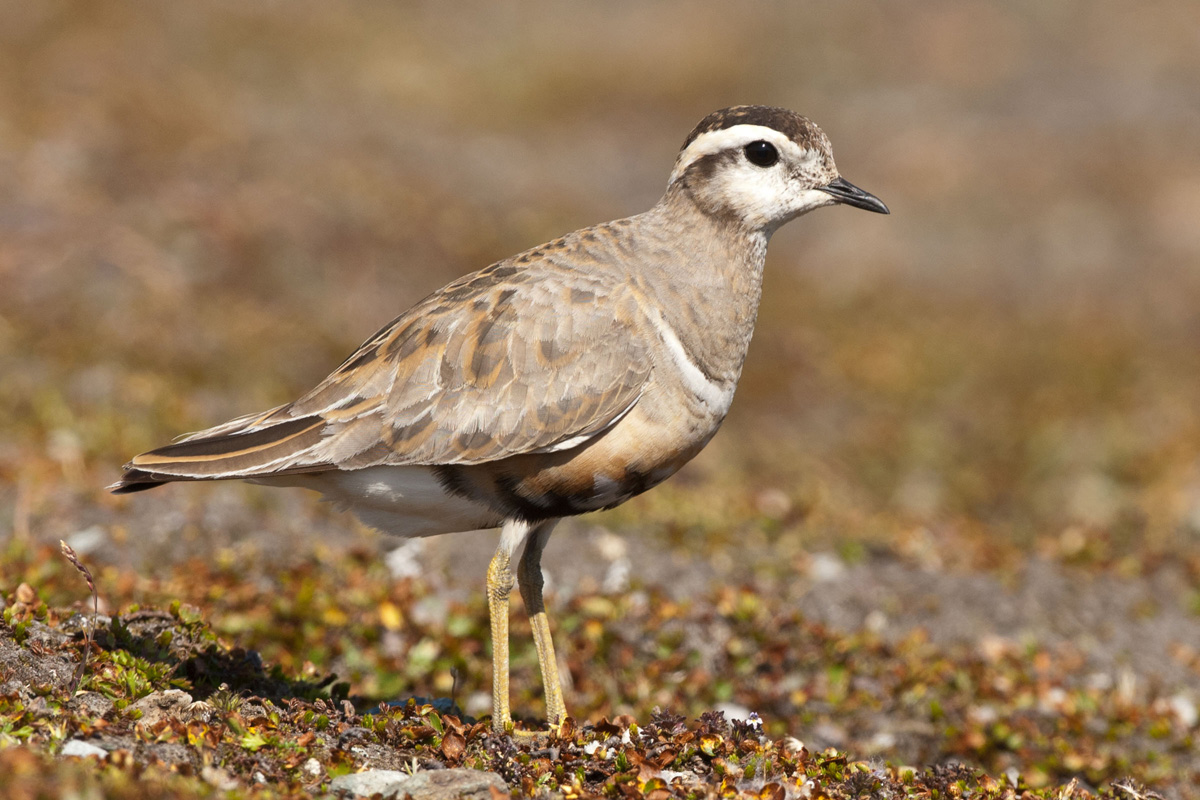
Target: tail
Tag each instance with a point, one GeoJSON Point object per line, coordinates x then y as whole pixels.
{"type": "Point", "coordinates": [217, 455]}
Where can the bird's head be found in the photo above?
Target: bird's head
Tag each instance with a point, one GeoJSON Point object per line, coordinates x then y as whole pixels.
{"type": "Point", "coordinates": [761, 167]}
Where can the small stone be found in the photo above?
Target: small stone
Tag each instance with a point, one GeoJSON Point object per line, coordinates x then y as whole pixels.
{"type": "Point", "coordinates": [88, 540]}
{"type": "Point", "coordinates": [218, 777]}
{"type": "Point", "coordinates": [1185, 710]}
{"type": "Point", "coordinates": [734, 712]}
{"type": "Point", "coordinates": [93, 704]}
{"type": "Point", "coordinates": [157, 706]}
{"type": "Point", "coordinates": [773, 503]}
{"type": "Point", "coordinates": [994, 648]}
{"type": "Point", "coordinates": [882, 741]}
{"type": "Point", "coordinates": [442, 784]}
{"type": "Point", "coordinates": [875, 621]}
{"type": "Point", "coordinates": [792, 746]}
{"type": "Point", "coordinates": [687, 780]}
{"type": "Point", "coordinates": [82, 749]}
{"type": "Point", "coordinates": [593, 747]}
{"type": "Point", "coordinates": [825, 567]}
{"type": "Point", "coordinates": [405, 560]}
{"type": "Point", "coordinates": [365, 784]}
{"type": "Point", "coordinates": [830, 734]}
{"type": "Point", "coordinates": [26, 595]}
{"type": "Point", "coordinates": [610, 546]}
{"type": "Point", "coordinates": [312, 768]}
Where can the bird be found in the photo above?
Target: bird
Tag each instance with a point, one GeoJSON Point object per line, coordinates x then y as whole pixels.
{"type": "Point", "coordinates": [565, 379]}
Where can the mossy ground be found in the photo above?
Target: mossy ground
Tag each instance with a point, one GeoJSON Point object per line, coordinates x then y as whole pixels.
{"type": "Point", "coordinates": [269, 710]}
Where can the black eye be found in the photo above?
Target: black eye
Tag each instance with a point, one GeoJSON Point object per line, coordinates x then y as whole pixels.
{"type": "Point", "coordinates": [762, 154]}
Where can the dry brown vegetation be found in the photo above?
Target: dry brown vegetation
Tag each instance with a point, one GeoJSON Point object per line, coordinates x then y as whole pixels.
{"type": "Point", "coordinates": [953, 517]}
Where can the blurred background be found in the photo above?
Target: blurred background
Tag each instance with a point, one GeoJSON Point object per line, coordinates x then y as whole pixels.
{"type": "Point", "coordinates": [205, 207]}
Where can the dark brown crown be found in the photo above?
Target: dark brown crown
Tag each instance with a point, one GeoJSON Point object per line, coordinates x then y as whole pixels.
{"type": "Point", "coordinates": [797, 128]}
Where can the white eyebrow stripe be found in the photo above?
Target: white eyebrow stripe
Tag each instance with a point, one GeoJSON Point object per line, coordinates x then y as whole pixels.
{"type": "Point", "coordinates": [734, 136]}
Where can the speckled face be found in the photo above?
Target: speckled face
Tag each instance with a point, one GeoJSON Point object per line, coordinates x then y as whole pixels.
{"type": "Point", "coordinates": [761, 165]}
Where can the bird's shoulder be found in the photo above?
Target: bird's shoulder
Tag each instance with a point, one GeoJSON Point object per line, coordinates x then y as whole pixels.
{"type": "Point", "coordinates": [532, 353]}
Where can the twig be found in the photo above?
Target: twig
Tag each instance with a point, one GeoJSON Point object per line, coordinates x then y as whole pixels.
{"type": "Point", "coordinates": [1136, 792]}
{"type": "Point", "coordinates": [69, 552]}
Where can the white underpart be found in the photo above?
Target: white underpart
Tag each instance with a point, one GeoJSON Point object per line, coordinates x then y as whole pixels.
{"type": "Point", "coordinates": [717, 396]}
{"type": "Point", "coordinates": [404, 501]}
{"type": "Point", "coordinates": [513, 535]}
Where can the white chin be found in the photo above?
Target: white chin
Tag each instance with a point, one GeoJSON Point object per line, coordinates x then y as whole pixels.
{"type": "Point", "coordinates": [808, 201]}
{"type": "Point", "coordinates": [813, 198]}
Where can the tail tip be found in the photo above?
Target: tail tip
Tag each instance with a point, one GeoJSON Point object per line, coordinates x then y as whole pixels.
{"type": "Point", "coordinates": [134, 480]}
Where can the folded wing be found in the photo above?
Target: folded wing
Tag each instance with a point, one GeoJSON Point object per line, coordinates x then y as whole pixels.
{"type": "Point", "coordinates": [499, 363]}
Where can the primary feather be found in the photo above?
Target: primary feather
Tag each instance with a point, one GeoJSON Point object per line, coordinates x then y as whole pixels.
{"type": "Point", "coordinates": [490, 366]}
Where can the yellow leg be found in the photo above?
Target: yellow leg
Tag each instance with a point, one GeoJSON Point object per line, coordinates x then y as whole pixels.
{"type": "Point", "coordinates": [530, 574]}
{"type": "Point", "coordinates": [499, 585]}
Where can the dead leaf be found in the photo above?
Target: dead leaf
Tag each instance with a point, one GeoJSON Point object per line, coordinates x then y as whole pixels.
{"type": "Point", "coordinates": [772, 791]}
{"type": "Point", "coordinates": [453, 746]}
{"type": "Point", "coordinates": [26, 594]}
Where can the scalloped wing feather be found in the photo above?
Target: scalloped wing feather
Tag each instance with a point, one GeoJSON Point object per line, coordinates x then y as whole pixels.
{"type": "Point", "coordinates": [496, 364]}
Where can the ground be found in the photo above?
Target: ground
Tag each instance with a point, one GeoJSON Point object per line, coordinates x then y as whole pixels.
{"type": "Point", "coordinates": [951, 528]}
{"type": "Point", "coordinates": [168, 697]}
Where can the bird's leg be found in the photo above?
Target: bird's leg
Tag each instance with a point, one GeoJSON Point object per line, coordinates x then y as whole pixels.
{"type": "Point", "coordinates": [529, 573]}
{"type": "Point", "coordinates": [500, 580]}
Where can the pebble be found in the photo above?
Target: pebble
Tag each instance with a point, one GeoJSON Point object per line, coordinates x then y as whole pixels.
{"type": "Point", "coordinates": [88, 540]}
{"type": "Point", "coordinates": [824, 567]}
{"type": "Point", "coordinates": [218, 777]}
{"type": "Point", "coordinates": [1185, 709]}
{"type": "Point", "coordinates": [442, 784]}
{"type": "Point", "coordinates": [734, 712]}
{"type": "Point", "coordinates": [158, 706]}
{"type": "Point", "coordinates": [91, 703]}
{"type": "Point", "coordinates": [82, 749]}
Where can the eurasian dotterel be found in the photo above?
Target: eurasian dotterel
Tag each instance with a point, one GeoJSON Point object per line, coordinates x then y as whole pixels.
{"type": "Point", "coordinates": [565, 379]}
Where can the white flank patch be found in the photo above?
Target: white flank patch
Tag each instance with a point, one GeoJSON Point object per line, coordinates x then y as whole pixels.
{"type": "Point", "coordinates": [714, 395]}
{"type": "Point", "coordinates": [404, 501]}
{"type": "Point", "coordinates": [567, 444]}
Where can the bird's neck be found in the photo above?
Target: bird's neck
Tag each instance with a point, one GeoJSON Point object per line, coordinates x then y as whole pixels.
{"type": "Point", "coordinates": [711, 278]}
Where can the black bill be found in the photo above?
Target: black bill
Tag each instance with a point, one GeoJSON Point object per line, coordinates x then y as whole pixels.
{"type": "Point", "coordinates": [846, 192]}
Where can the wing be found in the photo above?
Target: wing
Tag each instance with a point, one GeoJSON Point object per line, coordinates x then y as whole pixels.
{"type": "Point", "coordinates": [502, 362]}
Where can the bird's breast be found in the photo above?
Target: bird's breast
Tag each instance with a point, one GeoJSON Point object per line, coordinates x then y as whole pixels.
{"type": "Point", "coordinates": [645, 448]}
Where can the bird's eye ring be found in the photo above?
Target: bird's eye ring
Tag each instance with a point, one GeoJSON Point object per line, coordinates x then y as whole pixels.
{"type": "Point", "coordinates": [761, 153]}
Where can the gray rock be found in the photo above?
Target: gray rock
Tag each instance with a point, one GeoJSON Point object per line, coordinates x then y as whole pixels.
{"type": "Point", "coordinates": [442, 784]}
{"type": "Point", "coordinates": [88, 540]}
{"type": "Point", "coordinates": [155, 707]}
{"type": "Point", "coordinates": [82, 749]}
{"type": "Point", "coordinates": [733, 712]}
{"type": "Point", "coordinates": [91, 703]}
{"type": "Point", "coordinates": [365, 784]}
{"type": "Point", "coordinates": [218, 777]}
